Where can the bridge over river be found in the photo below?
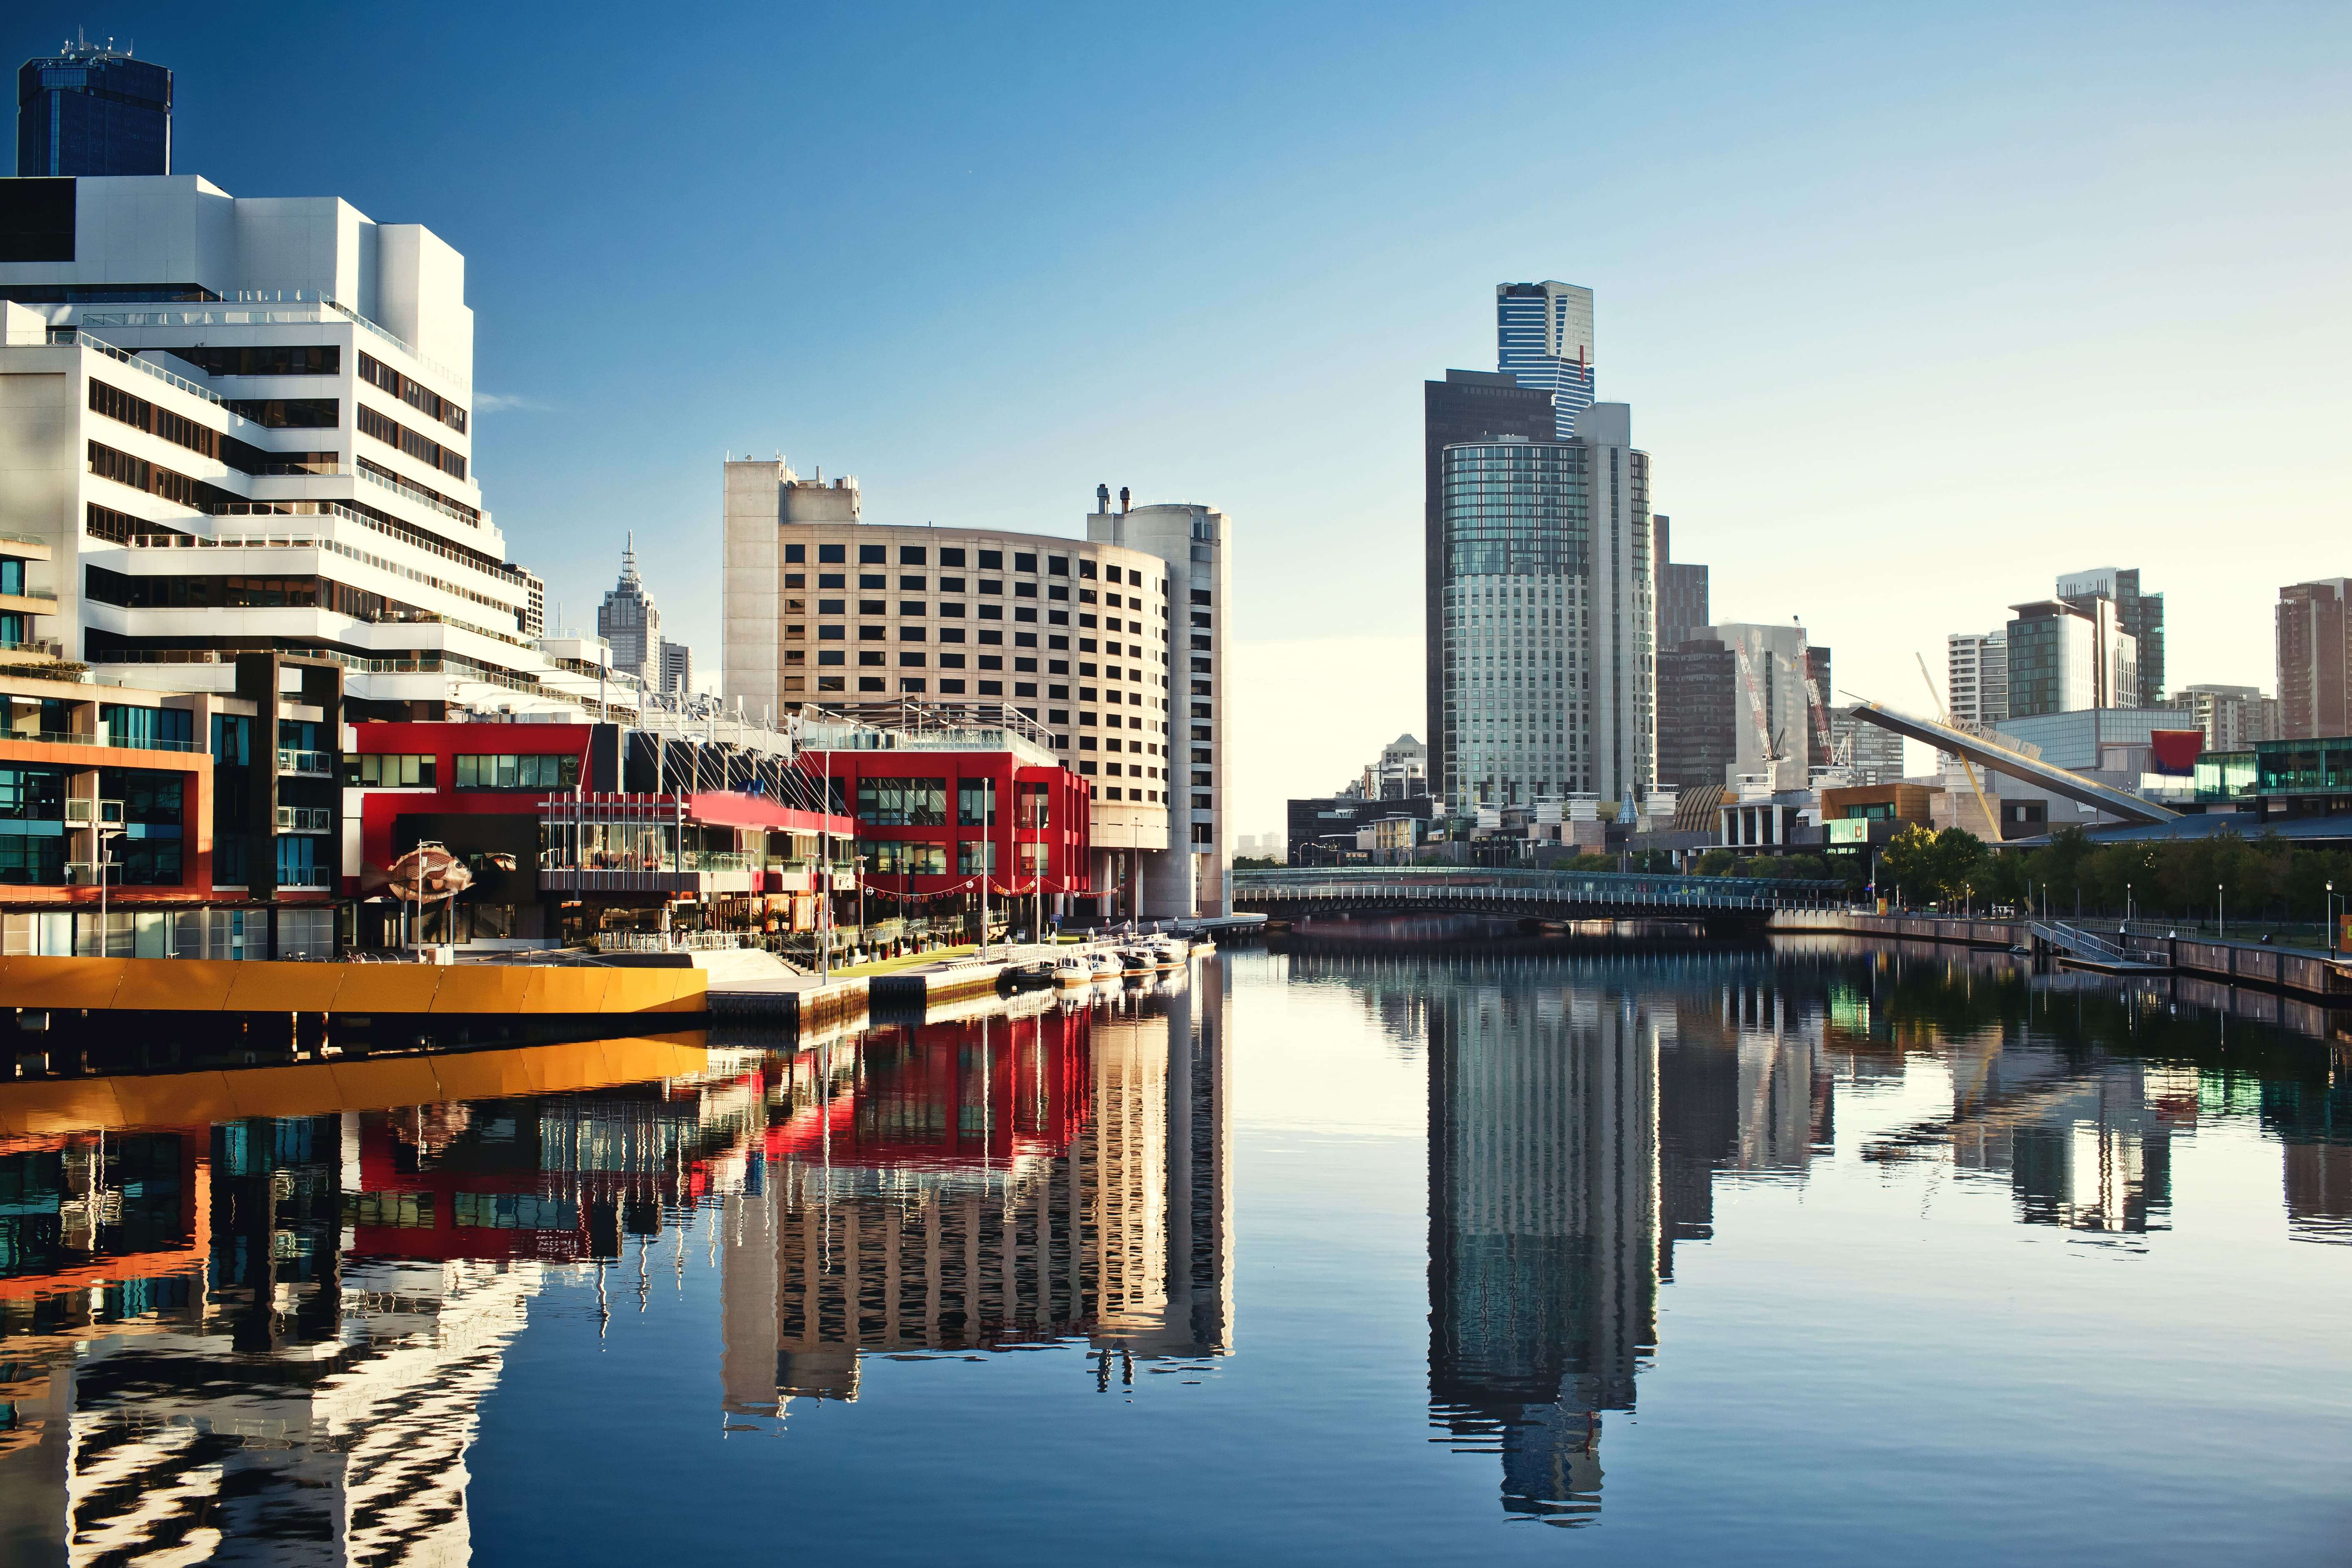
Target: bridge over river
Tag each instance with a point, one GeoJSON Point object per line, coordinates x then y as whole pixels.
{"type": "Point", "coordinates": [1357, 892]}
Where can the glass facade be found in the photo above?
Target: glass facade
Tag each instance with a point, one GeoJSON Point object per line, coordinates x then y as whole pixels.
{"type": "Point", "coordinates": [1543, 338]}
{"type": "Point", "coordinates": [91, 111]}
{"type": "Point", "coordinates": [1517, 538]}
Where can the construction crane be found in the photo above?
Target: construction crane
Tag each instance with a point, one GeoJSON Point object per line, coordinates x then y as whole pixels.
{"type": "Point", "coordinates": [1765, 739]}
{"type": "Point", "coordinates": [1992, 822]}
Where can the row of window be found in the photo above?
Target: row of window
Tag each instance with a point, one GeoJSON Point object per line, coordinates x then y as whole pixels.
{"type": "Point", "coordinates": [263, 359]}
{"type": "Point", "coordinates": [390, 770]}
{"type": "Point", "coordinates": [953, 610]}
{"type": "Point", "coordinates": [376, 373]}
{"type": "Point", "coordinates": [290, 412]}
{"type": "Point", "coordinates": [544, 770]}
{"type": "Point", "coordinates": [392, 433]}
{"type": "Point", "coordinates": [427, 492]}
{"type": "Point", "coordinates": [180, 431]}
{"type": "Point", "coordinates": [988, 561]}
{"type": "Point", "coordinates": [156, 480]}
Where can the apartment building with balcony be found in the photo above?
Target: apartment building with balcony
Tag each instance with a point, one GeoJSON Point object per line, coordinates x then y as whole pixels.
{"type": "Point", "coordinates": [144, 823]}
{"type": "Point", "coordinates": [243, 425]}
{"type": "Point", "coordinates": [1107, 648]}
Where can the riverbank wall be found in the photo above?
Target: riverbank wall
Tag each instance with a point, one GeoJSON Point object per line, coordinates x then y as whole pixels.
{"type": "Point", "coordinates": [2317, 974]}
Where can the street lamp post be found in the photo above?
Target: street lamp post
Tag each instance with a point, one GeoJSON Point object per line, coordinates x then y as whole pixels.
{"type": "Point", "coordinates": [2221, 915]}
{"type": "Point", "coordinates": [2127, 906]}
{"type": "Point", "coordinates": [2331, 920]}
{"type": "Point", "coordinates": [105, 865]}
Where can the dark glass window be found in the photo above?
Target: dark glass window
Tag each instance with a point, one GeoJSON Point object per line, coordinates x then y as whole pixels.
{"type": "Point", "coordinates": [795, 554]}
{"type": "Point", "coordinates": [831, 554]}
{"type": "Point", "coordinates": [1025, 563]}
{"type": "Point", "coordinates": [913, 555]}
{"type": "Point", "coordinates": [950, 557]}
{"type": "Point", "coordinates": [992, 560]}
{"type": "Point", "coordinates": [873, 554]}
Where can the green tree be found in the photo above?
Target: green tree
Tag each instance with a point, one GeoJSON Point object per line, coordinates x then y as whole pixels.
{"type": "Point", "coordinates": [1928, 867]}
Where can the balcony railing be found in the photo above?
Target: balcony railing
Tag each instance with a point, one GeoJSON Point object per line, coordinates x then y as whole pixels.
{"type": "Point", "coordinates": [127, 743]}
{"type": "Point", "coordinates": [151, 368]}
{"type": "Point", "coordinates": [305, 765]}
{"type": "Point", "coordinates": [335, 509]}
{"type": "Point", "coordinates": [417, 494]}
{"type": "Point", "coordinates": [305, 819]}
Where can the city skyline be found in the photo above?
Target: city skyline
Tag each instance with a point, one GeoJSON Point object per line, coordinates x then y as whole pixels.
{"type": "Point", "coordinates": [1848, 324]}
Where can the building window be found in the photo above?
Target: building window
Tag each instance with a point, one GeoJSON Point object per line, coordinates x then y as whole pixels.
{"type": "Point", "coordinates": [795, 554]}
{"type": "Point", "coordinates": [902, 802]}
{"type": "Point", "coordinates": [872, 656]}
{"type": "Point", "coordinates": [1204, 833]}
{"type": "Point", "coordinates": [871, 683]}
{"type": "Point", "coordinates": [910, 661]}
{"type": "Point", "coordinates": [390, 770]}
{"type": "Point", "coordinates": [992, 560]}
{"type": "Point", "coordinates": [540, 771]}
{"type": "Point", "coordinates": [914, 687]}
{"type": "Point", "coordinates": [950, 557]}
{"type": "Point", "coordinates": [830, 682]}
{"type": "Point", "coordinates": [991, 689]}
{"type": "Point", "coordinates": [951, 688]}
{"type": "Point", "coordinates": [873, 554]}
{"type": "Point", "coordinates": [913, 555]}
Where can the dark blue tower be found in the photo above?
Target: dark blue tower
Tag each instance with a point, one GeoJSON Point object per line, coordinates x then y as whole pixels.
{"type": "Point", "coordinates": [89, 110]}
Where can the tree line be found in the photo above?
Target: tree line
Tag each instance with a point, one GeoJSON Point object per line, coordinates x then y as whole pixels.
{"type": "Point", "coordinates": [2264, 878]}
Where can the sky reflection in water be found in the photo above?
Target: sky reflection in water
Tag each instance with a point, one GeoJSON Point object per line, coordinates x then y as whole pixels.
{"type": "Point", "coordinates": [1808, 1257]}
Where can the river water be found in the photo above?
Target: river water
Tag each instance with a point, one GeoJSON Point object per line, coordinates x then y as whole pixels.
{"type": "Point", "coordinates": [1820, 1255]}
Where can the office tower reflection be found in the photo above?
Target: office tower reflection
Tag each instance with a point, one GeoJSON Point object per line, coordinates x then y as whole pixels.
{"type": "Point", "coordinates": [979, 1183]}
{"type": "Point", "coordinates": [1543, 1158]}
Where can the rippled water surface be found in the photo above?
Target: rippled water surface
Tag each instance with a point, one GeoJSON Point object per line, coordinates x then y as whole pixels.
{"type": "Point", "coordinates": [1817, 1256]}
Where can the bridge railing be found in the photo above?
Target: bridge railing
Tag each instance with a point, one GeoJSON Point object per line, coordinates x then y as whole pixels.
{"type": "Point", "coordinates": [1503, 885]}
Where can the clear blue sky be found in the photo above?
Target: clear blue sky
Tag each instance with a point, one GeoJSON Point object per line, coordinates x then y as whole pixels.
{"type": "Point", "coordinates": [1914, 308]}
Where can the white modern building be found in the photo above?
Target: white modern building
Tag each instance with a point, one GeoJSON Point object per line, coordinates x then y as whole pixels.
{"type": "Point", "coordinates": [245, 423]}
{"type": "Point", "coordinates": [1550, 665]}
{"type": "Point", "coordinates": [2233, 717]}
{"type": "Point", "coordinates": [1107, 652]}
{"type": "Point", "coordinates": [1977, 679]}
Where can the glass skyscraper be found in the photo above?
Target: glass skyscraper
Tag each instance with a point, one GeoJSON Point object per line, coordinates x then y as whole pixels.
{"type": "Point", "coordinates": [1548, 618]}
{"type": "Point", "coordinates": [87, 110]}
{"type": "Point", "coordinates": [1543, 338]}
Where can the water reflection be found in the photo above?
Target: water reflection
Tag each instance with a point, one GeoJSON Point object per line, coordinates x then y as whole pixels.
{"type": "Point", "coordinates": [1581, 1113]}
{"type": "Point", "coordinates": [257, 1314]}
{"type": "Point", "coordinates": [269, 1337]}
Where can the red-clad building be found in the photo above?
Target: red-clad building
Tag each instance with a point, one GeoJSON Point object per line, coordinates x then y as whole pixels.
{"type": "Point", "coordinates": [932, 823]}
{"type": "Point", "coordinates": [572, 829]}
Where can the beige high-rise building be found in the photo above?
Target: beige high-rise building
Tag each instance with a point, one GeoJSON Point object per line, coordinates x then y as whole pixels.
{"type": "Point", "coordinates": [1107, 651]}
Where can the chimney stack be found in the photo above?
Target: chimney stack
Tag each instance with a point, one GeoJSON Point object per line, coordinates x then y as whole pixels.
{"type": "Point", "coordinates": [1102, 500]}
{"type": "Point", "coordinates": [1122, 501]}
